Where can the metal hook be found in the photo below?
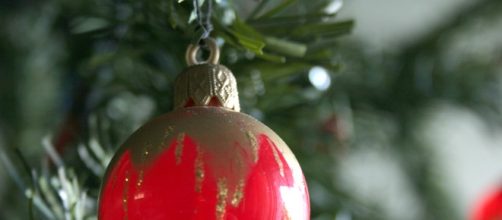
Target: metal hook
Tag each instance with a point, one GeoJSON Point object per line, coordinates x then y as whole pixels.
{"type": "Point", "coordinates": [214, 53]}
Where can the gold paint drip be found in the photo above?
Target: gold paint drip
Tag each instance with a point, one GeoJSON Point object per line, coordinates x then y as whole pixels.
{"type": "Point", "coordinates": [222, 195]}
{"type": "Point", "coordinates": [254, 145]}
{"type": "Point", "coordinates": [144, 158]}
{"type": "Point", "coordinates": [277, 159]}
{"type": "Point", "coordinates": [140, 179]}
{"type": "Point", "coordinates": [238, 194]}
{"type": "Point", "coordinates": [168, 132]}
{"type": "Point", "coordinates": [199, 171]}
{"type": "Point", "coordinates": [124, 196]}
{"type": "Point", "coordinates": [179, 147]}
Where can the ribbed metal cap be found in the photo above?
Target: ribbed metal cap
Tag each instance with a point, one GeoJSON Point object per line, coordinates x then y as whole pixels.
{"type": "Point", "coordinates": [201, 84]}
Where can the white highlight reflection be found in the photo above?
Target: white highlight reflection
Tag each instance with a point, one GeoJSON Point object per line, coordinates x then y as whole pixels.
{"type": "Point", "coordinates": [319, 77]}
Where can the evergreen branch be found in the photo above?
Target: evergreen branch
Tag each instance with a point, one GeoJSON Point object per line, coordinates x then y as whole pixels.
{"type": "Point", "coordinates": [257, 9]}
{"type": "Point", "coordinates": [289, 48]}
{"type": "Point", "coordinates": [290, 20]}
{"type": "Point", "coordinates": [277, 9]}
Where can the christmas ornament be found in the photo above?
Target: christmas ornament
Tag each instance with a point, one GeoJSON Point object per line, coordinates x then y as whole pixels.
{"type": "Point", "coordinates": [204, 160]}
{"type": "Point", "coordinates": [490, 208]}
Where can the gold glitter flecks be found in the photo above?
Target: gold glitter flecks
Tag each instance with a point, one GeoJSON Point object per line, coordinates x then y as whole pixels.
{"type": "Point", "coordinates": [178, 152]}
{"type": "Point", "coordinates": [278, 160]}
{"type": "Point", "coordinates": [140, 178]}
{"type": "Point", "coordinates": [238, 194]}
{"type": "Point", "coordinates": [222, 195]}
{"type": "Point", "coordinates": [144, 158]}
{"type": "Point", "coordinates": [168, 132]}
{"type": "Point", "coordinates": [199, 171]}
{"type": "Point", "coordinates": [254, 145]}
{"type": "Point", "coordinates": [125, 193]}
{"type": "Point", "coordinates": [146, 151]}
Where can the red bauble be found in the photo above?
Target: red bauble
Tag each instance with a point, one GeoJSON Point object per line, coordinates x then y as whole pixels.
{"type": "Point", "coordinates": [204, 163]}
{"type": "Point", "coordinates": [205, 160]}
{"type": "Point", "coordinates": [490, 208]}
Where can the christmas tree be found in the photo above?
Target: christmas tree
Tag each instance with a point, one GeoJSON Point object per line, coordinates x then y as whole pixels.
{"type": "Point", "coordinates": [78, 77]}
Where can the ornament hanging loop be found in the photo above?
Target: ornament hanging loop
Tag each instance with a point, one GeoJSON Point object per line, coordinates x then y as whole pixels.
{"type": "Point", "coordinates": [214, 53]}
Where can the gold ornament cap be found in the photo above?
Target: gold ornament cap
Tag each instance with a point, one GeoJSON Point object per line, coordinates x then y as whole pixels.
{"type": "Point", "coordinates": [207, 82]}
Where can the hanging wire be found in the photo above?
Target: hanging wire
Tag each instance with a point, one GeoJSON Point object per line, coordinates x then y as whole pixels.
{"type": "Point", "coordinates": [204, 26]}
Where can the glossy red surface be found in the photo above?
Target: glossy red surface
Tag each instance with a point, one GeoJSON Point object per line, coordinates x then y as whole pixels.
{"type": "Point", "coordinates": [490, 208]}
{"type": "Point", "coordinates": [172, 187]}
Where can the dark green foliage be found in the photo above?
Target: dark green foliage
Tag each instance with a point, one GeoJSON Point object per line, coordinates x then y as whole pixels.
{"type": "Point", "coordinates": [112, 64]}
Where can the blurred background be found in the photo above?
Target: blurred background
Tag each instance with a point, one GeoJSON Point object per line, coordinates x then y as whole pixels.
{"type": "Point", "coordinates": [392, 107]}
